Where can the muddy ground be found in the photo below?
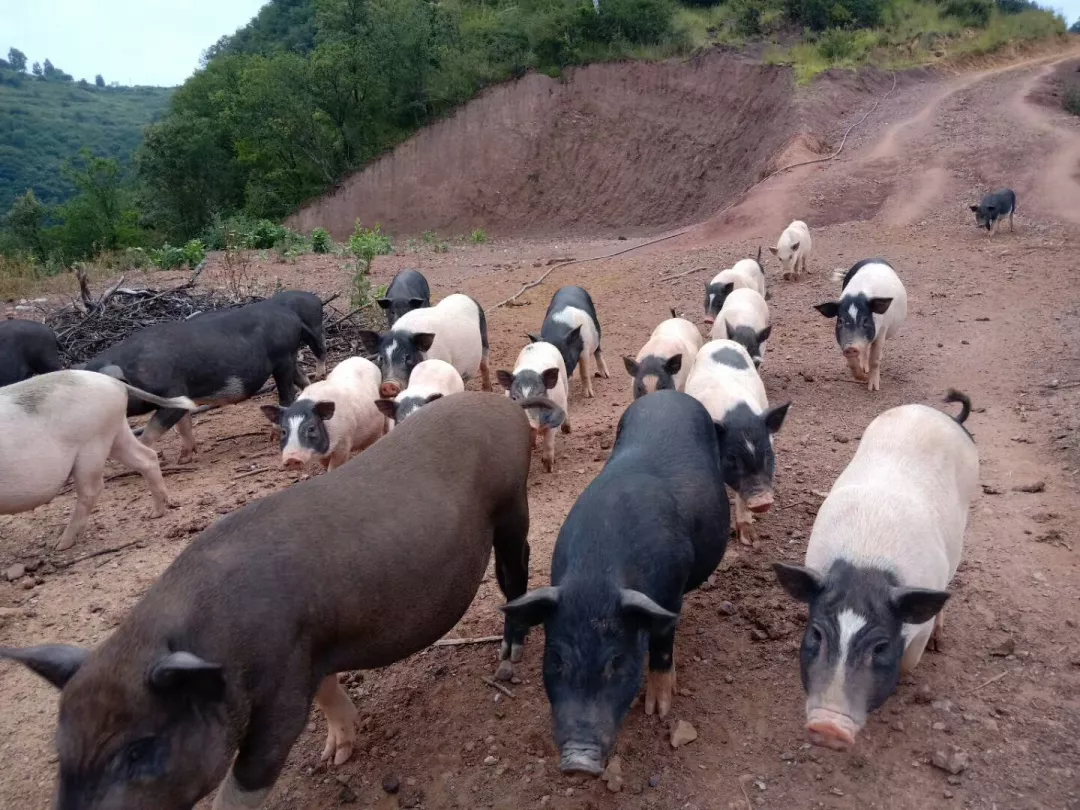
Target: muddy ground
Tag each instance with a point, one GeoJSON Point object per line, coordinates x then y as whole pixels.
{"type": "Point", "coordinates": [997, 318]}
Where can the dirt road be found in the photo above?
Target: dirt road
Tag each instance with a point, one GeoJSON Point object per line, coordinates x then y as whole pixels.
{"type": "Point", "coordinates": [997, 318]}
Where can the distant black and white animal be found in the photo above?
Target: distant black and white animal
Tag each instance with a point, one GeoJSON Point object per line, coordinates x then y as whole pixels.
{"type": "Point", "coordinates": [793, 249]}
{"type": "Point", "coordinates": [885, 545]}
{"type": "Point", "coordinates": [571, 326]}
{"type": "Point", "coordinates": [407, 291]}
{"type": "Point", "coordinates": [993, 207]}
{"type": "Point", "coordinates": [540, 372]}
{"type": "Point", "coordinates": [745, 273]}
{"type": "Point", "coordinates": [26, 348]}
{"type": "Point", "coordinates": [651, 527]}
{"type": "Point", "coordinates": [744, 318]}
{"type": "Point", "coordinates": [872, 307]}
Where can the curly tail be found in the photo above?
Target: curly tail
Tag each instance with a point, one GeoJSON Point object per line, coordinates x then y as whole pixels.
{"type": "Point", "coordinates": [965, 411]}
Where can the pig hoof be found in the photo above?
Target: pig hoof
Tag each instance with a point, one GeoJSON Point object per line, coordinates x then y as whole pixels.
{"type": "Point", "coordinates": [505, 671]}
{"type": "Point", "coordinates": [659, 688]}
{"type": "Point", "coordinates": [747, 535]}
{"type": "Point", "coordinates": [157, 511]}
{"type": "Point", "coordinates": [549, 464]}
{"type": "Point", "coordinates": [339, 744]}
{"type": "Point", "coordinates": [64, 543]}
{"type": "Point", "coordinates": [516, 653]}
{"type": "Point", "coordinates": [589, 393]}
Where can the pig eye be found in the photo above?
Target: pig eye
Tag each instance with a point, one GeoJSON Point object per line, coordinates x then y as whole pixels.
{"type": "Point", "coordinates": [138, 757]}
{"type": "Point", "coordinates": [880, 649]}
{"type": "Point", "coordinates": [814, 637]}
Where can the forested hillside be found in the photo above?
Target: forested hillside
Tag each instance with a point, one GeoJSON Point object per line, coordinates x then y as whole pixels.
{"type": "Point", "coordinates": [46, 119]}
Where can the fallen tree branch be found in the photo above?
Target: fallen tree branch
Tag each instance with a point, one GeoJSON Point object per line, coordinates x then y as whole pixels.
{"type": "Point", "coordinates": [251, 472]}
{"type": "Point", "coordinates": [455, 642]}
{"type": "Point", "coordinates": [494, 684]}
{"type": "Point", "coordinates": [100, 553]}
{"type": "Point", "coordinates": [987, 683]}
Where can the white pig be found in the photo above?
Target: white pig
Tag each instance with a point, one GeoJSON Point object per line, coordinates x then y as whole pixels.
{"type": "Point", "coordinates": [724, 380]}
{"type": "Point", "coordinates": [885, 545]}
{"type": "Point", "coordinates": [746, 273]}
{"type": "Point", "coordinates": [67, 423]}
{"type": "Point", "coordinates": [540, 371]}
{"type": "Point", "coordinates": [331, 418]}
{"type": "Point", "coordinates": [872, 306]}
{"type": "Point", "coordinates": [745, 319]}
{"type": "Point", "coordinates": [429, 381]}
{"type": "Point", "coordinates": [666, 359]}
{"type": "Point", "coordinates": [793, 248]}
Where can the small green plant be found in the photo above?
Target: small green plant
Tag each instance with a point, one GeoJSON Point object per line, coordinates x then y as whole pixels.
{"type": "Point", "coordinates": [478, 237]}
{"type": "Point", "coordinates": [321, 241]}
{"type": "Point", "coordinates": [430, 237]}
{"type": "Point", "coordinates": [365, 244]}
{"type": "Point", "coordinates": [169, 257]}
{"type": "Point", "coordinates": [1071, 101]}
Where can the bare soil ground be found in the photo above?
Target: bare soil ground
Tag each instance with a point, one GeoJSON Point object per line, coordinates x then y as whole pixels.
{"type": "Point", "coordinates": [998, 318]}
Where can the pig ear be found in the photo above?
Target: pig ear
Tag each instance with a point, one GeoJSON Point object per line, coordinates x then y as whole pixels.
{"type": "Point", "coordinates": [384, 303]}
{"type": "Point", "coordinates": [505, 378]}
{"type": "Point", "coordinates": [879, 306]}
{"type": "Point", "coordinates": [432, 398]}
{"type": "Point", "coordinates": [974, 208]}
{"type": "Point", "coordinates": [534, 338]}
{"type": "Point", "coordinates": [673, 365]}
{"type": "Point", "coordinates": [416, 303]}
{"type": "Point", "coordinates": [186, 675]}
{"type": "Point", "coordinates": [636, 603]}
{"type": "Point", "coordinates": [550, 378]}
{"type": "Point", "coordinates": [800, 583]}
{"type": "Point", "coordinates": [423, 340]}
{"type": "Point", "coordinates": [794, 246]}
{"type": "Point", "coordinates": [763, 335]}
{"type": "Point", "coordinates": [535, 607]}
{"type": "Point", "coordinates": [370, 340]}
{"type": "Point", "coordinates": [773, 251]}
{"type": "Point", "coordinates": [774, 417]}
{"type": "Point", "coordinates": [56, 663]}
{"type": "Point", "coordinates": [916, 605]}
{"type": "Point", "coordinates": [573, 338]}
{"type": "Point", "coordinates": [324, 409]}
{"type": "Point", "coordinates": [830, 309]}
{"type": "Point", "coordinates": [272, 413]}
{"type": "Point", "coordinates": [387, 407]}
{"type": "Point", "coordinates": [631, 365]}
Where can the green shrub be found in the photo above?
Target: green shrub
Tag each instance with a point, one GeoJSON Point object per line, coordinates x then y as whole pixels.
{"type": "Point", "coordinates": [168, 257]}
{"type": "Point", "coordinates": [819, 15]}
{"type": "Point", "coordinates": [837, 45]}
{"type": "Point", "coordinates": [321, 241]}
{"type": "Point", "coordinates": [365, 244]}
{"type": "Point", "coordinates": [973, 13]}
{"type": "Point", "coordinates": [478, 237]}
{"type": "Point", "coordinates": [266, 234]}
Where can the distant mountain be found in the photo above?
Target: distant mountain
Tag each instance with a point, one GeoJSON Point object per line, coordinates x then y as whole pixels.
{"type": "Point", "coordinates": [45, 121]}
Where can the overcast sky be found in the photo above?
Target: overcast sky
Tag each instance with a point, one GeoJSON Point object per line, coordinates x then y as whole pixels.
{"type": "Point", "coordinates": [127, 41]}
{"type": "Point", "coordinates": [146, 41]}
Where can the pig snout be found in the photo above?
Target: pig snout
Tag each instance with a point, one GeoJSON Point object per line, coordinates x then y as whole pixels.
{"type": "Point", "coordinates": [850, 352]}
{"type": "Point", "coordinates": [709, 320]}
{"type": "Point", "coordinates": [831, 729]}
{"type": "Point", "coordinates": [581, 758]}
{"type": "Point", "coordinates": [292, 464]}
{"type": "Point", "coordinates": [760, 502]}
{"type": "Point", "coordinates": [390, 389]}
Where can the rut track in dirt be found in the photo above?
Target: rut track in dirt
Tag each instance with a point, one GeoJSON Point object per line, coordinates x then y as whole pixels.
{"type": "Point", "coordinates": [998, 319]}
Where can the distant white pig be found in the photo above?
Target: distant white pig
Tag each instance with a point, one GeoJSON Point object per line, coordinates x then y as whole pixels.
{"type": "Point", "coordinates": [745, 319]}
{"type": "Point", "coordinates": [429, 381]}
{"type": "Point", "coordinates": [724, 380]}
{"type": "Point", "coordinates": [666, 359]}
{"type": "Point", "coordinates": [67, 423]}
{"type": "Point", "coordinates": [793, 248]}
{"type": "Point", "coordinates": [885, 544]}
{"type": "Point", "coordinates": [540, 371]}
{"type": "Point", "coordinates": [872, 306]}
{"type": "Point", "coordinates": [331, 418]}
{"type": "Point", "coordinates": [745, 274]}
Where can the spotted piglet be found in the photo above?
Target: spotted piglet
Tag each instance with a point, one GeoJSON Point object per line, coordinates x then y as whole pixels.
{"type": "Point", "coordinates": [744, 318]}
{"type": "Point", "coordinates": [331, 418]}
{"type": "Point", "coordinates": [429, 381]}
{"type": "Point", "coordinates": [664, 362]}
{"type": "Point", "coordinates": [744, 274]}
{"type": "Point", "coordinates": [885, 545]}
{"type": "Point", "coordinates": [572, 327]}
{"type": "Point", "coordinates": [540, 372]}
{"type": "Point", "coordinates": [872, 306]}
{"type": "Point", "coordinates": [724, 380]}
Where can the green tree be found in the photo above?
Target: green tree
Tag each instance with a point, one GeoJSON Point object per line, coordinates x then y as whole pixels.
{"type": "Point", "coordinates": [99, 80]}
{"type": "Point", "coordinates": [17, 59]}
{"type": "Point", "coordinates": [26, 222]}
{"type": "Point", "coordinates": [36, 69]}
{"type": "Point", "coordinates": [47, 69]}
{"type": "Point", "coordinates": [101, 216]}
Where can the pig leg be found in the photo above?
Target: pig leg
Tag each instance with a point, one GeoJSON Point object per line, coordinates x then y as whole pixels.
{"type": "Point", "coordinates": [877, 349]}
{"type": "Point", "coordinates": [159, 424]}
{"type": "Point", "coordinates": [485, 374]}
{"type": "Point", "coordinates": [586, 377]}
{"type": "Point", "coordinates": [284, 376]}
{"type": "Point", "coordinates": [914, 651]}
{"type": "Point", "coordinates": [128, 451]}
{"type": "Point", "coordinates": [1010, 222]}
{"type": "Point", "coordinates": [88, 473]}
{"type": "Point", "coordinates": [231, 796]}
{"type": "Point", "coordinates": [565, 426]}
{"type": "Point", "coordinates": [602, 363]}
{"type": "Point", "coordinates": [744, 522]}
{"type": "Point", "coordinates": [300, 378]}
{"type": "Point", "coordinates": [938, 631]}
{"type": "Point", "coordinates": [340, 714]}
{"type": "Point", "coordinates": [547, 455]}
{"type": "Point", "coordinates": [512, 572]}
{"type": "Point", "coordinates": [185, 427]}
{"type": "Point", "coordinates": [660, 684]}
{"type": "Point", "coordinates": [337, 458]}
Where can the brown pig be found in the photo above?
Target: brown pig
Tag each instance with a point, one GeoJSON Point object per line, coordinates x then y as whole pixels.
{"type": "Point", "coordinates": [354, 569]}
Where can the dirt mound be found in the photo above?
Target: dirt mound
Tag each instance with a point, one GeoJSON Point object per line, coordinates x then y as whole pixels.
{"type": "Point", "coordinates": [626, 146]}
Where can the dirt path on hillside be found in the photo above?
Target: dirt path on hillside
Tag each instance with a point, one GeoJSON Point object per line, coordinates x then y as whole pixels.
{"type": "Point", "coordinates": [998, 318]}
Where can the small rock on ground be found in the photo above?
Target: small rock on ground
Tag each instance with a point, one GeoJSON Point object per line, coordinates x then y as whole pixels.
{"type": "Point", "coordinates": [682, 734]}
{"type": "Point", "coordinates": [952, 759]}
{"type": "Point", "coordinates": [613, 775]}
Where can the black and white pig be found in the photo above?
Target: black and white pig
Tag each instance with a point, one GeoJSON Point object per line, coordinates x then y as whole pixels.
{"type": "Point", "coordinates": [725, 381]}
{"type": "Point", "coordinates": [252, 622]}
{"type": "Point", "coordinates": [26, 348]}
{"type": "Point", "coordinates": [309, 308]}
{"type": "Point", "coordinates": [571, 326]}
{"type": "Point", "coordinates": [454, 330]}
{"type": "Point", "coordinates": [215, 358]}
{"type": "Point", "coordinates": [407, 291]}
{"type": "Point", "coordinates": [651, 526]}
{"type": "Point", "coordinates": [993, 207]}
{"type": "Point", "coordinates": [872, 306]}
{"type": "Point", "coordinates": [885, 545]}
